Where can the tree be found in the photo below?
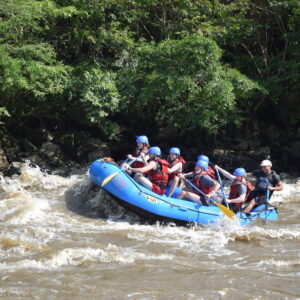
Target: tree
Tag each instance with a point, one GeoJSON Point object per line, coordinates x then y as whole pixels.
{"type": "Point", "coordinates": [183, 84]}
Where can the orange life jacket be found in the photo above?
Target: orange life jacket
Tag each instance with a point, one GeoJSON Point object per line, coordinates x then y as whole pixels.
{"type": "Point", "coordinates": [137, 152]}
{"type": "Point", "coordinates": [160, 175]}
{"type": "Point", "coordinates": [173, 163]}
{"type": "Point", "coordinates": [204, 188]}
{"type": "Point", "coordinates": [235, 194]}
{"type": "Point", "coordinates": [211, 172]}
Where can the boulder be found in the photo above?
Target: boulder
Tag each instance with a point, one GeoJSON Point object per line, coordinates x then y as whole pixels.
{"type": "Point", "coordinates": [91, 149]}
{"type": "Point", "coordinates": [67, 143]}
{"type": "Point", "coordinates": [12, 154]}
{"type": "Point", "coordinates": [35, 160]}
{"type": "Point", "coordinates": [52, 153]}
{"type": "Point", "coordinates": [3, 160]}
{"type": "Point", "coordinates": [28, 146]}
{"type": "Point", "coordinates": [14, 168]}
{"type": "Point", "coordinates": [241, 145]}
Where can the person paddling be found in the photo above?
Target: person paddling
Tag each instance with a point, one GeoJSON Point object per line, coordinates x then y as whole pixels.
{"type": "Point", "coordinates": [157, 171]}
{"type": "Point", "coordinates": [266, 179]}
{"type": "Point", "coordinates": [239, 188]}
{"type": "Point", "coordinates": [210, 170]}
{"type": "Point", "coordinates": [203, 182]}
{"type": "Point", "coordinates": [142, 151]}
{"type": "Point", "coordinates": [176, 164]}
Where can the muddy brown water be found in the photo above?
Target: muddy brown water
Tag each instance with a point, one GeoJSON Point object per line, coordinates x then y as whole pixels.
{"type": "Point", "coordinates": [62, 239]}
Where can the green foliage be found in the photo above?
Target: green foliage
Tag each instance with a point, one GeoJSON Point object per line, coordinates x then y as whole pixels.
{"type": "Point", "coordinates": [99, 95]}
{"type": "Point", "coordinates": [30, 72]}
{"type": "Point", "coordinates": [185, 64]}
{"type": "Point", "coordinates": [31, 69]}
{"type": "Point", "coordinates": [183, 84]}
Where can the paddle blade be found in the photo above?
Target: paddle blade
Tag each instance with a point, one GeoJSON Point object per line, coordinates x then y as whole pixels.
{"type": "Point", "coordinates": [226, 211]}
{"type": "Point", "coordinates": [108, 178]}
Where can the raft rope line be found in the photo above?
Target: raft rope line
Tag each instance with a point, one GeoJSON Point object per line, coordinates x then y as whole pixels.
{"type": "Point", "coordinates": [110, 160]}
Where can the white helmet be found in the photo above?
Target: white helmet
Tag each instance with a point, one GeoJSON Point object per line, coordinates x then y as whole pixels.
{"type": "Point", "coordinates": [266, 163]}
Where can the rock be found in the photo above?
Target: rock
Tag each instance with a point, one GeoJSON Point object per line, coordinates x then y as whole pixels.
{"type": "Point", "coordinates": [37, 135]}
{"type": "Point", "coordinates": [263, 152]}
{"type": "Point", "coordinates": [3, 160]}
{"type": "Point", "coordinates": [218, 152]}
{"type": "Point", "coordinates": [241, 145]}
{"type": "Point", "coordinates": [51, 150]}
{"type": "Point", "coordinates": [91, 149]}
{"type": "Point", "coordinates": [53, 154]}
{"type": "Point", "coordinates": [36, 160]}
{"type": "Point", "coordinates": [12, 154]}
{"type": "Point", "coordinates": [67, 143]}
{"type": "Point", "coordinates": [28, 146]}
{"type": "Point", "coordinates": [14, 168]}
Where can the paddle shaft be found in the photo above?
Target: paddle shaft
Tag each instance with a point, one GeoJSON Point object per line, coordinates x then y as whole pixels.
{"type": "Point", "coordinates": [226, 211]}
{"type": "Point", "coordinates": [222, 188]}
{"type": "Point", "coordinates": [195, 188]}
{"type": "Point", "coordinates": [268, 198]}
{"type": "Point", "coordinates": [192, 185]}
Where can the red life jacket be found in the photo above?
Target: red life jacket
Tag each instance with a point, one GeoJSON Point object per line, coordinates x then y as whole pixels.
{"type": "Point", "coordinates": [136, 153]}
{"type": "Point", "coordinates": [211, 172]}
{"type": "Point", "coordinates": [160, 175]}
{"type": "Point", "coordinates": [173, 163]}
{"type": "Point", "coordinates": [204, 188]}
{"type": "Point", "coordinates": [235, 194]}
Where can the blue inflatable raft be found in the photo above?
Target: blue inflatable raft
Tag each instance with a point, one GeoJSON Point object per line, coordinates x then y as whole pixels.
{"type": "Point", "coordinates": [154, 207]}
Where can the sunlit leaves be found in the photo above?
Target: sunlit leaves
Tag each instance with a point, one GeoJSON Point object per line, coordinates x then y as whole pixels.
{"type": "Point", "coordinates": [187, 83]}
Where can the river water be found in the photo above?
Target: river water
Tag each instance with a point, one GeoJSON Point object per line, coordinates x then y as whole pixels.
{"type": "Point", "coordinates": [61, 238]}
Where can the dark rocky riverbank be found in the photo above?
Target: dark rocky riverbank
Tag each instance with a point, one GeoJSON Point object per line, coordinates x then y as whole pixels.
{"type": "Point", "coordinates": [64, 152]}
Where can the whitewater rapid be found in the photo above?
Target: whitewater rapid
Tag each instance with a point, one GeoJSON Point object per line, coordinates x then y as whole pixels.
{"type": "Point", "coordinates": [64, 238]}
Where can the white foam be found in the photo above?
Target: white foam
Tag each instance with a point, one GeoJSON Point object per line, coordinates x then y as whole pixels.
{"type": "Point", "coordinates": [78, 256]}
{"type": "Point", "coordinates": [279, 263]}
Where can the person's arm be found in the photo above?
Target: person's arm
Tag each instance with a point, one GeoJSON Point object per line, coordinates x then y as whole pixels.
{"type": "Point", "coordinates": [278, 187]}
{"type": "Point", "coordinates": [225, 173]}
{"type": "Point", "coordinates": [242, 190]}
{"type": "Point", "coordinates": [189, 174]}
{"type": "Point", "coordinates": [239, 199]}
{"type": "Point", "coordinates": [145, 169]}
{"type": "Point", "coordinates": [129, 156]}
{"type": "Point", "coordinates": [175, 168]}
{"type": "Point", "coordinates": [215, 188]}
{"type": "Point", "coordinates": [145, 158]}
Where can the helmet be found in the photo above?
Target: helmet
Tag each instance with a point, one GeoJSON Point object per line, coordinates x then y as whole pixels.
{"type": "Point", "coordinates": [239, 172]}
{"type": "Point", "coordinates": [203, 164]}
{"type": "Point", "coordinates": [203, 157]}
{"type": "Point", "coordinates": [174, 150]}
{"type": "Point", "coordinates": [154, 150]}
{"type": "Point", "coordinates": [142, 139]}
{"type": "Point", "coordinates": [266, 163]}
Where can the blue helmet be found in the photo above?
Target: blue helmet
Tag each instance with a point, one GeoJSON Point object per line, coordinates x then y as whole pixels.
{"type": "Point", "coordinates": [203, 164]}
{"type": "Point", "coordinates": [142, 139]}
{"type": "Point", "coordinates": [174, 150]}
{"type": "Point", "coordinates": [154, 150]}
{"type": "Point", "coordinates": [239, 172]}
{"type": "Point", "coordinates": [203, 157]}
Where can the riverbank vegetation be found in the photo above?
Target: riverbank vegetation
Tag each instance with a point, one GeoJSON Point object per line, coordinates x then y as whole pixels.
{"type": "Point", "coordinates": [223, 69]}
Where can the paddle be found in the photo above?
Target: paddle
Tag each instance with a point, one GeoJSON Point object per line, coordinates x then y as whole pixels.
{"type": "Point", "coordinates": [226, 211]}
{"type": "Point", "coordinates": [268, 199]}
{"type": "Point", "coordinates": [111, 176]}
{"type": "Point", "coordinates": [221, 184]}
